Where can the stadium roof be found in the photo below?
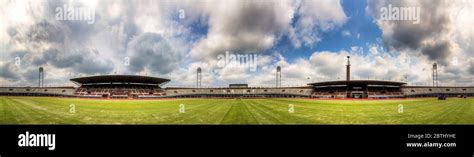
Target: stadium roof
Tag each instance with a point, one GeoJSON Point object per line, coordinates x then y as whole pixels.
{"type": "Point", "coordinates": [358, 82]}
{"type": "Point", "coordinates": [119, 79]}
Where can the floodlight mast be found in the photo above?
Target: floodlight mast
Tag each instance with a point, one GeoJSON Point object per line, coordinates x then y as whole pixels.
{"type": "Point", "coordinates": [348, 69]}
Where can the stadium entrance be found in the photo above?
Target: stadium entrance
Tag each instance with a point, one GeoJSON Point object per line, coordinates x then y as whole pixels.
{"type": "Point", "coordinates": [358, 94]}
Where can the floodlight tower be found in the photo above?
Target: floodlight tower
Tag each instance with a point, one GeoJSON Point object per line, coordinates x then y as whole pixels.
{"type": "Point", "coordinates": [41, 77]}
{"type": "Point", "coordinates": [348, 69]}
{"type": "Point", "coordinates": [278, 76]}
{"type": "Point", "coordinates": [198, 77]}
{"type": "Point", "coordinates": [435, 75]}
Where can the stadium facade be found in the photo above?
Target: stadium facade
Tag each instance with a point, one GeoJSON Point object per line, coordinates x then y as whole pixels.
{"type": "Point", "coordinates": [140, 87]}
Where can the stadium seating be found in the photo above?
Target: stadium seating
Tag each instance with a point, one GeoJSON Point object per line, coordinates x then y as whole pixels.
{"type": "Point", "coordinates": [411, 91]}
{"type": "Point", "coordinates": [338, 92]}
{"type": "Point", "coordinates": [239, 92]}
{"type": "Point", "coordinates": [384, 92]}
{"type": "Point", "coordinates": [343, 92]}
{"type": "Point", "coordinates": [119, 92]}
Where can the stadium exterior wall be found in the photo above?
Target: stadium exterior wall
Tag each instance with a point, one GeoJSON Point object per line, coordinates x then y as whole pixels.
{"type": "Point", "coordinates": [38, 91]}
{"type": "Point", "coordinates": [250, 92]}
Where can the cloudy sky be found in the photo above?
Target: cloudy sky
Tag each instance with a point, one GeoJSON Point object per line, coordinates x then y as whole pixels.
{"type": "Point", "coordinates": [309, 39]}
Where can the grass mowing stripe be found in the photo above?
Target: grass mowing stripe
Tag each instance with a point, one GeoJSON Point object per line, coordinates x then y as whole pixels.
{"type": "Point", "coordinates": [199, 112]}
{"type": "Point", "coordinates": [8, 112]}
{"type": "Point", "coordinates": [247, 109]}
{"type": "Point", "coordinates": [40, 111]}
{"type": "Point", "coordinates": [239, 114]}
{"type": "Point", "coordinates": [265, 117]}
{"type": "Point", "coordinates": [299, 116]}
{"type": "Point", "coordinates": [227, 112]}
{"type": "Point", "coordinates": [279, 111]}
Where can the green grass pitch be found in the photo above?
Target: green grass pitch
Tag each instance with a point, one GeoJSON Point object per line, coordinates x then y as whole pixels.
{"type": "Point", "coordinates": [49, 110]}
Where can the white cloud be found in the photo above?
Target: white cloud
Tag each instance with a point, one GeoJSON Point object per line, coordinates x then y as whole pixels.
{"type": "Point", "coordinates": [242, 27]}
{"type": "Point", "coordinates": [443, 33]}
{"type": "Point", "coordinates": [255, 26]}
{"type": "Point", "coordinates": [328, 15]}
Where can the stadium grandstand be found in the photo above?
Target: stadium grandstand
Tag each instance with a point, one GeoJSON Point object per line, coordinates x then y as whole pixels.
{"type": "Point", "coordinates": [429, 91]}
{"type": "Point", "coordinates": [119, 86]}
{"type": "Point", "coordinates": [357, 89]}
